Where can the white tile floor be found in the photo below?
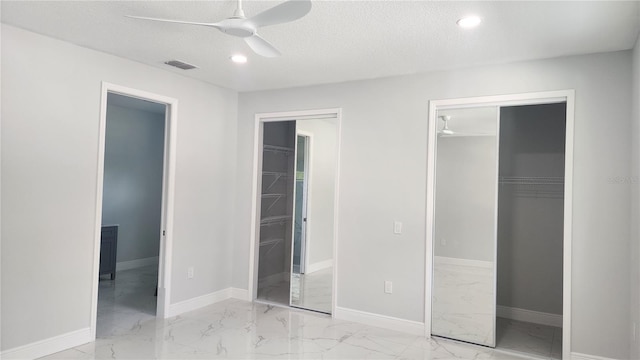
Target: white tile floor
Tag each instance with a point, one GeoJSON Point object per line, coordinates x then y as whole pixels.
{"type": "Point", "coordinates": [533, 339]}
{"type": "Point", "coordinates": [236, 329]}
{"type": "Point", "coordinates": [129, 299]}
{"type": "Point", "coordinates": [242, 330]}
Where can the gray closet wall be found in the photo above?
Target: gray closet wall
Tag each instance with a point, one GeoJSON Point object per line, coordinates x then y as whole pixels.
{"type": "Point", "coordinates": [530, 216]}
{"type": "Point", "coordinates": [274, 261]}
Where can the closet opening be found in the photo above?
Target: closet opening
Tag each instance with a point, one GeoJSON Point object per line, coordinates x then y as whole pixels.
{"type": "Point", "coordinates": [296, 210]}
{"type": "Point", "coordinates": [530, 229]}
{"type": "Point", "coordinates": [499, 222]}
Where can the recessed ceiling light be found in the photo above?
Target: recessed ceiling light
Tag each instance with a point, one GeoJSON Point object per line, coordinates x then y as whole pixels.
{"type": "Point", "coordinates": [239, 59]}
{"type": "Point", "coordinates": [469, 22]}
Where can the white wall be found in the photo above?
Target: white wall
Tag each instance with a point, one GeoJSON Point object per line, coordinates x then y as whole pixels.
{"type": "Point", "coordinates": [50, 113]}
{"type": "Point", "coordinates": [384, 129]}
{"type": "Point", "coordinates": [323, 159]}
{"type": "Point", "coordinates": [133, 172]}
{"type": "Point", "coordinates": [635, 204]}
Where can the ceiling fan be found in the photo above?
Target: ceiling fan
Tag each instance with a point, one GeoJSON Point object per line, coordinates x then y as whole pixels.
{"type": "Point", "coordinates": [445, 131]}
{"type": "Point", "coordinates": [238, 25]}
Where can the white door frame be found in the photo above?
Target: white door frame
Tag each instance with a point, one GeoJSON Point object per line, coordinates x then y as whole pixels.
{"type": "Point", "coordinates": [168, 184]}
{"type": "Point", "coordinates": [306, 196]}
{"type": "Point", "coordinates": [260, 119]}
{"type": "Point", "coordinates": [546, 97]}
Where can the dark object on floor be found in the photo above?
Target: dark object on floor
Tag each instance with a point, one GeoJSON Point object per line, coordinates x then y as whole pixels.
{"type": "Point", "coordinates": [108, 250]}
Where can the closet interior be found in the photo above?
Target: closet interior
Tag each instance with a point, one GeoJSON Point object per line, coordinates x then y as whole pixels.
{"type": "Point", "coordinates": [276, 209]}
{"type": "Point", "coordinates": [498, 227]}
{"type": "Point", "coordinates": [297, 206]}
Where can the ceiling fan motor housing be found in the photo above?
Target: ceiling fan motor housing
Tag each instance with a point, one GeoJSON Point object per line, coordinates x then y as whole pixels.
{"type": "Point", "coordinates": [239, 27]}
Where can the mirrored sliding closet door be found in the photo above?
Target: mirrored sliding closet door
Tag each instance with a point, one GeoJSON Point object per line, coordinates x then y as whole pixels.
{"type": "Point", "coordinates": [465, 235]}
{"type": "Point", "coordinates": [313, 218]}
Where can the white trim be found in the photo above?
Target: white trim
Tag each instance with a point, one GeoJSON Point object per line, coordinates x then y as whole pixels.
{"type": "Point", "coordinates": [579, 356]}
{"type": "Point", "coordinates": [546, 97]}
{"type": "Point", "coordinates": [240, 294]}
{"type": "Point", "coordinates": [536, 317]}
{"type": "Point", "coordinates": [382, 321]}
{"type": "Point", "coordinates": [199, 302]}
{"type": "Point", "coordinates": [259, 120]}
{"type": "Point", "coordinates": [463, 262]}
{"type": "Point", "coordinates": [49, 346]}
{"type": "Point", "coordinates": [168, 184]}
{"type": "Point", "coordinates": [336, 199]}
{"type": "Point", "coordinates": [306, 210]}
{"type": "Point", "coordinates": [137, 263]}
{"type": "Point", "coordinates": [320, 265]}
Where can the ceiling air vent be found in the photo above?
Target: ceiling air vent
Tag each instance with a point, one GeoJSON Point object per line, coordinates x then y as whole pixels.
{"type": "Point", "coordinates": [180, 65]}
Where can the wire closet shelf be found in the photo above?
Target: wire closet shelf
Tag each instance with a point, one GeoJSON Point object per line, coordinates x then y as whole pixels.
{"type": "Point", "coordinates": [534, 186]}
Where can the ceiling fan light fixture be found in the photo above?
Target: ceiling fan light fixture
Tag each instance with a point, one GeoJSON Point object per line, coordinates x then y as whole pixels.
{"type": "Point", "coordinates": [469, 22]}
{"type": "Point", "coordinates": [238, 59]}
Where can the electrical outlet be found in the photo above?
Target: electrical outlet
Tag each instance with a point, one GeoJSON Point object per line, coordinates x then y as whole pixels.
{"type": "Point", "coordinates": [190, 272]}
{"type": "Point", "coordinates": [388, 287]}
{"type": "Point", "coordinates": [397, 227]}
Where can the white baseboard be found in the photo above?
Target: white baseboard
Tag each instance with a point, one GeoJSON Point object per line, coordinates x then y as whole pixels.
{"type": "Point", "coordinates": [579, 356]}
{"type": "Point", "coordinates": [49, 346]}
{"type": "Point", "coordinates": [321, 265]}
{"type": "Point", "coordinates": [206, 300]}
{"type": "Point", "coordinates": [535, 317]}
{"type": "Point", "coordinates": [240, 294]}
{"type": "Point", "coordinates": [383, 321]}
{"type": "Point", "coordinates": [138, 263]}
{"type": "Point", "coordinates": [198, 302]}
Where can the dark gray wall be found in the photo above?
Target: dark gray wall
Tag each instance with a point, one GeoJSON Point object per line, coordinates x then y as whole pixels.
{"type": "Point", "coordinates": [132, 196]}
{"type": "Point", "coordinates": [530, 217]}
{"type": "Point", "coordinates": [276, 259]}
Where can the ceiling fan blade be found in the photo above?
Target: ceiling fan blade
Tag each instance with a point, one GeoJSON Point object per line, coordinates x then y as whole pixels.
{"type": "Point", "coordinates": [285, 12]}
{"type": "Point", "coordinates": [261, 47]}
{"type": "Point", "coordinates": [214, 25]}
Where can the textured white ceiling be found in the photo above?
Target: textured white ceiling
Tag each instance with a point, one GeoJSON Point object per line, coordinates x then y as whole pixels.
{"type": "Point", "coordinates": [338, 40]}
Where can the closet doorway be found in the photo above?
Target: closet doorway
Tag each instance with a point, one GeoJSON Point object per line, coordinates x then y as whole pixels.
{"type": "Point", "coordinates": [295, 209]}
{"type": "Point", "coordinates": [499, 222]}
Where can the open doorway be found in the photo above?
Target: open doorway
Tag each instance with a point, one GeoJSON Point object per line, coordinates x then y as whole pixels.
{"type": "Point", "coordinates": [131, 212]}
{"type": "Point", "coordinates": [133, 209]}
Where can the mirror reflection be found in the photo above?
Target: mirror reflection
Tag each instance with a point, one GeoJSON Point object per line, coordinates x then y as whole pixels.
{"type": "Point", "coordinates": [313, 220]}
{"type": "Point", "coordinates": [464, 229]}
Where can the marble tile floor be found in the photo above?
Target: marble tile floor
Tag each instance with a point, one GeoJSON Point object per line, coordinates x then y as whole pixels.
{"type": "Point", "coordinates": [540, 341]}
{"type": "Point", "coordinates": [313, 290]}
{"type": "Point", "coordinates": [128, 299]}
{"type": "Point", "coordinates": [236, 329]}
